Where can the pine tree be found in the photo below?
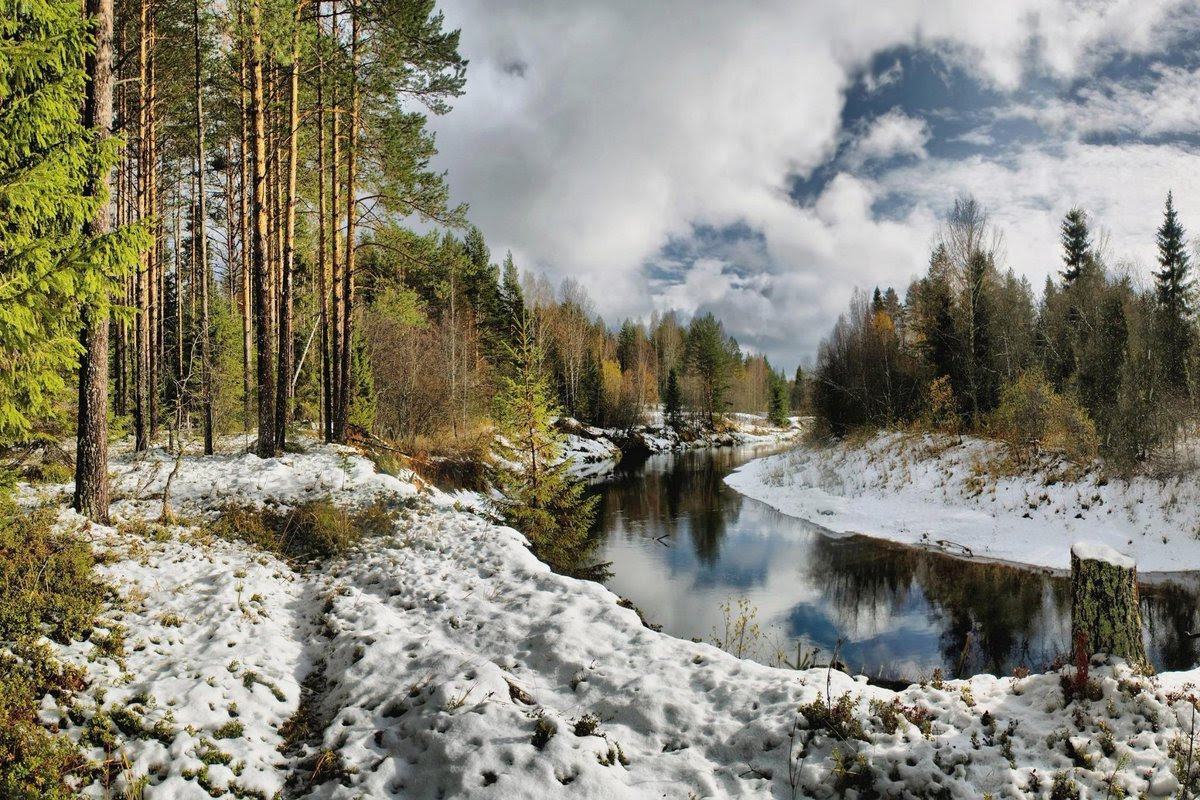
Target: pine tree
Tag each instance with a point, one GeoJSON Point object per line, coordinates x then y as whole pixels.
{"type": "Point", "coordinates": [1077, 246]}
{"type": "Point", "coordinates": [91, 442]}
{"type": "Point", "coordinates": [541, 499]}
{"type": "Point", "coordinates": [1173, 289]}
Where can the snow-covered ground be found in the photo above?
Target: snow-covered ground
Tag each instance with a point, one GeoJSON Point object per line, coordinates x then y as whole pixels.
{"type": "Point", "coordinates": [594, 451]}
{"type": "Point", "coordinates": [441, 660]}
{"type": "Point", "coordinates": [936, 491]}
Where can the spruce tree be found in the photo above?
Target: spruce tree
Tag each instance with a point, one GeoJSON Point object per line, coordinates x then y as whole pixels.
{"type": "Point", "coordinates": [673, 401]}
{"type": "Point", "coordinates": [777, 408]}
{"type": "Point", "coordinates": [512, 298]}
{"type": "Point", "coordinates": [936, 329]}
{"type": "Point", "coordinates": [541, 499]}
{"type": "Point", "coordinates": [50, 192]}
{"type": "Point", "coordinates": [1173, 292]}
{"type": "Point", "coordinates": [1077, 246]}
{"type": "Point", "coordinates": [710, 356]}
{"type": "Point", "coordinates": [797, 397]}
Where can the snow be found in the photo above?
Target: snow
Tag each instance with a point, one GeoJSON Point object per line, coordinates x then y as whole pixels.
{"type": "Point", "coordinates": [444, 646]}
{"type": "Point", "coordinates": [594, 451]}
{"type": "Point", "coordinates": [939, 492]}
{"type": "Point", "coordinates": [1090, 551]}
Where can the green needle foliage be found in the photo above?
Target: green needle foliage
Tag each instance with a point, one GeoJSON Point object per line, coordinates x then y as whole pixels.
{"type": "Point", "coordinates": [48, 269]}
{"type": "Point", "coordinates": [540, 498]}
{"type": "Point", "coordinates": [777, 400]}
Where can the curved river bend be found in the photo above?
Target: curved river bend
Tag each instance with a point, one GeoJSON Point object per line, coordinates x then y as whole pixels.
{"type": "Point", "coordinates": [682, 544]}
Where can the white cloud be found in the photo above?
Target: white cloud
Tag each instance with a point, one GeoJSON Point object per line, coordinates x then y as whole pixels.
{"type": "Point", "coordinates": [634, 121]}
{"type": "Point", "coordinates": [1165, 102]}
{"type": "Point", "coordinates": [873, 83]}
{"type": "Point", "coordinates": [1122, 187]}
{"type": "Point", "coordinates": [893, 134]}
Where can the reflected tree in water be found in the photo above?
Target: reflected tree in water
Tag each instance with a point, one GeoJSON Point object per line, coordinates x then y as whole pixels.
{"type": "Point", "coordinates": [899, 611]}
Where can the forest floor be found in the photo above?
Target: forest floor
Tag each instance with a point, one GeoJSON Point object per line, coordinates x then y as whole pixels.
{"type": "Point", "coordinates": [965, 497]}
{"type": "Point", "coordinates": [438, 658]}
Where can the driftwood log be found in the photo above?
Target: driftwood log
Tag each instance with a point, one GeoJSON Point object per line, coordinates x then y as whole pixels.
{"type": "Point", "coordinates": [1105, 608]}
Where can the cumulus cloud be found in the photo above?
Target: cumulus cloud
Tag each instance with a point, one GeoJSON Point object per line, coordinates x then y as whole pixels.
{"type": "Point", "coordinates": [628, 124]}
{"type": "Point", "coordinates": [891, 135]}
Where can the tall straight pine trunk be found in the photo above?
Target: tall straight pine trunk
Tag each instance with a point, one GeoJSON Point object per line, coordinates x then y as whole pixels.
{"type": "Point", "coordinates": [91, 450]}
{"type": "Point", "coordinates": [286, 360]}
{"type": "Point", "coordinates": [263, 294]}
{"type": "Point", "coordinates": [200, 237]}
{"type": "Point", "coordinates": [347, 332]}
{"type": "Point", "coordinates": [141, 387]}
{"type": "Point", "coordinates": [322, 261]}
{"type": "Point", "coordinates": [335, 283]}
{"type": "Point", "coordinates": [154, 276]}
{"type": "Point", "coordinates": [244, 192]}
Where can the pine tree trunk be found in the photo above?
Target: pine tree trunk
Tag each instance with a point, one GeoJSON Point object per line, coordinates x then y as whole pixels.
{"type": "Point", "coordinates": [322, 265]}
{"type": "Point", "coordinates": [177, 389]}
{"type": "Point", "coordinates": [335, 283]}
{"type": "Point", "coordinates": [154, 292]}
{"type": "Point", "coordinates": [91, 449]}
{"type": "Point", "coordinates": [1104, 602]}
{"type": "Point", "coordinates": [347, 333]}
{"type": "Point", "coordinates": [141, 388]}
{"type": "Point", "coordinates": [200, 236]}
{"type": "Point", "coordinates": [247, 303]}
{"type": "Point", "coordinates": [230, 225]}
{"type": "Point", "coordinates": [263, 300]}
{"type": "Point", "coordinates": [286, 359]}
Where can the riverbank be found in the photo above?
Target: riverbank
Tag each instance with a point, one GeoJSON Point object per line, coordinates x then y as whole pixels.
{"type": "Point", "coordinates": [595, 451]}
{"type": "Point", "coordinates": [438, 658]}
{"type": "Point", "coordinates": [945, 493]}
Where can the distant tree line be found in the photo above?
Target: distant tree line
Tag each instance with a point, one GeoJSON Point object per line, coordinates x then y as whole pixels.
{"type": "Point", "coordinates": [453, 301]}
{"type": "Point", "coordinates": [1095, 364]}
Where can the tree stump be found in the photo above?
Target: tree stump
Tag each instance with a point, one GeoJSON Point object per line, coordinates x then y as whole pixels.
{"type": "Point", "coordinates": [1104, 602]}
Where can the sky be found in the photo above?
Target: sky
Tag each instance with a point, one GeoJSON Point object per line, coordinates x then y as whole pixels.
{"type": "Point", "coordinates": [763, 160]}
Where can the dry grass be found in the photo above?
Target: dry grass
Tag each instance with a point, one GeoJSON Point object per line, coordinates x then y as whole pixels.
{"type": "Point", "coordinates": [315, 530]}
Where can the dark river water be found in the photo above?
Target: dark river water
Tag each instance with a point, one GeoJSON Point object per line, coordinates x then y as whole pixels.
{"type": "Point", "coordinates": [682, 544]}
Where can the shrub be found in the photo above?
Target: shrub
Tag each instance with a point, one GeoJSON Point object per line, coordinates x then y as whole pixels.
{"type": "Point", "coordinates": [839, 720]}
{"type": "Point", "coordinates": [47, 588]}
{"type": "Point", "coordinates": [1033, 418]}
{"type": "Point", "coordinates": [941, 407]}
{"type": "Point", "coordinates": [314, 530]}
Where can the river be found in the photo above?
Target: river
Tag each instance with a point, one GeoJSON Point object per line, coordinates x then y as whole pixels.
{"type": "Point", "coordinates": [683, 545]}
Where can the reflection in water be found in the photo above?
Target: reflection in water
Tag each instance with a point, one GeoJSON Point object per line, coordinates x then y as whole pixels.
{"type": "Point", "coordinates": [682, 543]}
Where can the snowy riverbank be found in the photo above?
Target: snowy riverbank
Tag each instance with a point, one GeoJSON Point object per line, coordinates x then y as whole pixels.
{"type": "Point", "coordinates": [440, 659]}
{"type": "Point", "coordinates": [594, 451]}
{"type": "Point", "coordinates": [935, 491]}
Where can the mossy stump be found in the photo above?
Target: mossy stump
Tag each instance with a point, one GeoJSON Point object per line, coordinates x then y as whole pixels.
{"type": "Point", "coordinates": [1104, 602]}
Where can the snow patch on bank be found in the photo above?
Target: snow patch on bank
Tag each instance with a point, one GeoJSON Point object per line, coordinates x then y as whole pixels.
{"type": "Point", "coordinates": [594, 451]}
{"type": "Point", "coordinates": [937, 491]}
{"type": "Point", "coordinates": [454, 664]}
